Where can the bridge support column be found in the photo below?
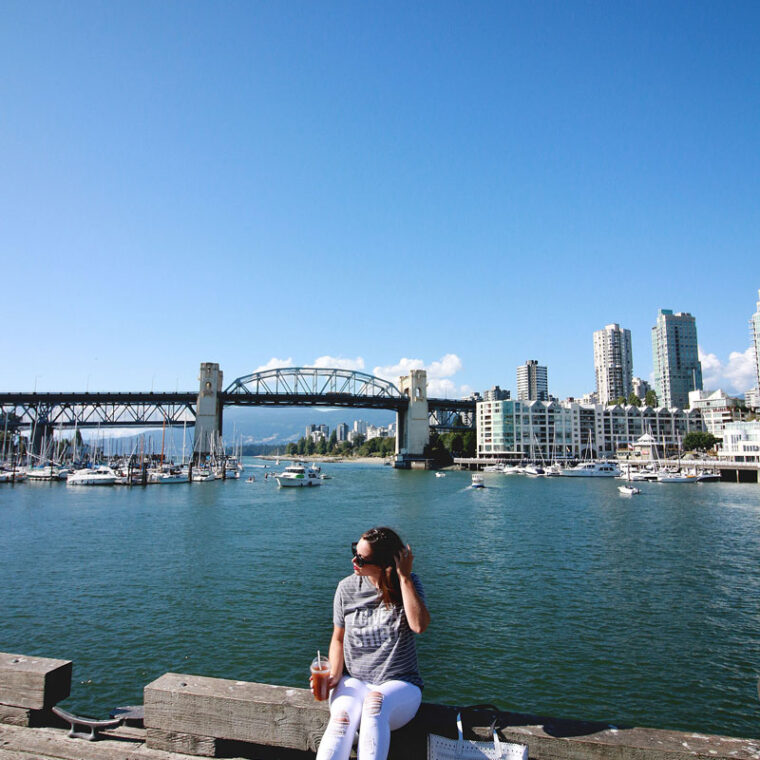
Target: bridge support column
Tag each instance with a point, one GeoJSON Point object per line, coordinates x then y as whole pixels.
{"type": "Point", "coordinates": [208, 420]}
{"type": "Point", "coordinates": [413, 424]}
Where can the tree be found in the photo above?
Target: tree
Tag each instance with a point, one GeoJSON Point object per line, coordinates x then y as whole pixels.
{"type": "Point", "coordinates": [332, 445]}
{"type": "Point", "coordinates": [619, 401]}
{"type": "Point", "coordinates": [650, 399]}
{"type": "Point", "coordinates": [633, 399]}
{"type": "Point", "coordinates": [698, 441]}
{"type": "Point", "coordinates": [358, 440]}
{"type": "Point", "coordinates": [291, 449]}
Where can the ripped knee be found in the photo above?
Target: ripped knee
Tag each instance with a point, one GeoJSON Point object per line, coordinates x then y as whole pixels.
{"type": "Point", "coordinates": [373, 703]}
{"type": "Point", "coordinates": [339, 724]}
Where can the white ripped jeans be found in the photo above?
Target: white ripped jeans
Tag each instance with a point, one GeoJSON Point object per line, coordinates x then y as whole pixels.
{"type": "Point", "coordinates": [376, 709]}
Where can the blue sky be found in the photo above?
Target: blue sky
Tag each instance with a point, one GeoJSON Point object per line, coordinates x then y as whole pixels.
{"type": "Point", "coordinates": [463, 186]}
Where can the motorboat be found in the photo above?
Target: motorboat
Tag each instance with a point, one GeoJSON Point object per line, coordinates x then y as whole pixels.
{"type": "Point", "coordinates": [477, 481]}
{"type": "Point", "coordinates": [553, 471]}
{"type": "Point", "coordinates": [92, 476]}
{"type": "Point", "coordinates": [440, 474]}
{"type": "Point", "coordinates": [202, 475]}
{"type": "Point", "coordinates": [707, 477]}
{"type": "Point", "coordinates": [298, 476]}
{"type": "Point", "coordinates": [629, 490]}
{"type": "Point", "coordinates": [592, 470]}
{"type": "Point", "coordinates": [173, 475]}
{"type": "Point", "coordinates": [676, 477]}
{"type": "Point", "coordinates": [493, 468]}
{"type": "Point", "coordinates": [534, 470]}
{"type": "Point", "coordinates": [12, 476]}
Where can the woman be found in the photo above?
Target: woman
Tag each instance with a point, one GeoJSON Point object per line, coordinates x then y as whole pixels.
{"type": "Point", "coordinates": [373, 659]}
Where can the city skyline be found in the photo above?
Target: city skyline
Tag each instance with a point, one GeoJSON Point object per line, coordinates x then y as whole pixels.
{"type": "Point", "coordinates": [361, 186]}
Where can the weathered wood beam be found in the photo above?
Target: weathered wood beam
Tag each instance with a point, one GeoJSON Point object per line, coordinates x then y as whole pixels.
{"type": "Point", "coordinates": [234, 710]}
{"type": "Point", "coordinates": [34, 683]}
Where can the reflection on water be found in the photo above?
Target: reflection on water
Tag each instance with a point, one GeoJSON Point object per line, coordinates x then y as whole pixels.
{"type": "Point", "coordinates": [553, 596]}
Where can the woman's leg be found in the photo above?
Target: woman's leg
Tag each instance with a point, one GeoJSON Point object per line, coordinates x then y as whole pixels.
{"type": "Point", "coordinates": [386, 707]}
{"type": "Point", "coordinates": [345, 712]}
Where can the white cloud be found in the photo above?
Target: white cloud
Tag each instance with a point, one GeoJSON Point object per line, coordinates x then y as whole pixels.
{"type": "Point", "coordinates": [274, 363]}
{"type": "Point", "coordinates": [438, 374]}
{"type": "Point", "coordinates": [334, 362]}
{"type": "Point", "coordinates": [736, 375]}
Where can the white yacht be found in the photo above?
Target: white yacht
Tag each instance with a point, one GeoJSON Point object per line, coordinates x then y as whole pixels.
{"type": "Point", "coordinates": [202, 475]}
{"type": "Point", "coordinates": [676, 477]}
{"type": "Point", "coordinates": [629, 490]}
{"type": "Point", "coordinates": [298, 476]}
{"type": "Point", "coordinates": [477, 481]}
{"type": "Point", "coordinates": [592, 470]}
{"type": "Point", "coordinates": [534, 470]}
{"type": "Point", "coordinates": [42, 472]}
{"type": "Point", "coordinates": [12, 476]}
{"type": "Point", "coordinates": [92, 476]}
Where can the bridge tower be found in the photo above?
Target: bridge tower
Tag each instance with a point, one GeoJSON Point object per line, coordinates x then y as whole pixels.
{"type": "Point", "coordinates": [413, 424]}
{"type": "Point", "coordinates": [208, 419]}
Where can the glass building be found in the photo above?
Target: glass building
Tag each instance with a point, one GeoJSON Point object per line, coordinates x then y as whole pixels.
{"type": "Point", "coordinates": [675, 356]}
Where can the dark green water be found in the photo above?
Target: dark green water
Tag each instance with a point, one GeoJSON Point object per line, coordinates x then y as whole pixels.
{"type": "Point", "coordinates": [551, 596]}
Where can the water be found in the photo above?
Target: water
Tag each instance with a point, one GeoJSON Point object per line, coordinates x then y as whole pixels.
{"type": "Point", "coordinates": [550, 596]}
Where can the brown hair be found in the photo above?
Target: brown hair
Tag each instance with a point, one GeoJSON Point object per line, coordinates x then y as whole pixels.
{"type": "Point", "coordinates": [386, 544]}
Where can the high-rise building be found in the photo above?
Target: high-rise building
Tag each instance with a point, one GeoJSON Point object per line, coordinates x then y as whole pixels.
{"type": "Point", "coordinates": [495, 394]}
{"type": "Point", "coordinates": [675, 356]}
{"type": "Point", "coordinates": [613, 363]}
{"type": "Point", "coordinates": [755, 327]}
{"type": "Point", "coordinates": [532, 382]}
{"type": "Point", "coordinates": [341, 431]}
{"type": "Point", "coordinates": [640, 387]}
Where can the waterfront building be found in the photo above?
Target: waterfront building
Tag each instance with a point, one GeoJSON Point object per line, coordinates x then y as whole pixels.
{"type": "Point", "coordinates": [752, 399]}
{"type": "Point", "coordinates": [613, 363]}
{"type": "Point", "coordinates": [309, 430]}
{"type": "Point", "coordinates": [741, 441]}
{"type": "Point", "coordinates": [675, 355]}
{"type": "Point", "coordinates": [550, 430]}
{"type": "Point", "coordinates": [718, 409]}
{"type": "Point", "coordinates": [341, 432]}
{"type": "Point", "coordinates": [755, 331]}
{"type": "Point", "coordinates": [640, 387]}
{"type": "Point", "coordinates": [495, 394]}
{"type": "Point", "coordinates": [532, 382]}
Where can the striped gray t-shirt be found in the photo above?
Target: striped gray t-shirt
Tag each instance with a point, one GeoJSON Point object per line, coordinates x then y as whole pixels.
{"type": "Point", "coordinates": [378, 644]}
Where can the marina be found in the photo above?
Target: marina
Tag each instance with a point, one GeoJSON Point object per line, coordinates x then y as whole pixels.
{"type": "Point", "coordinates": [580, 603]}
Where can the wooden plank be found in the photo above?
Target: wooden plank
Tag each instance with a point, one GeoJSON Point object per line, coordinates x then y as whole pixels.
{"type": "Point", "coordinates": [39, 743]}
{"type": "Point", "coordinates": [34, 682]}
{"type": "Point", "coordinates": [15, 716]}
{"type": "Point", "coordinates": [188, 744]}
{"type": "Point", "coordinates": [235, 710]}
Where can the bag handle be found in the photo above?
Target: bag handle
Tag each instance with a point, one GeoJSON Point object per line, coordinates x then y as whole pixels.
{"type": "Point", "coordinates": [479, 708]}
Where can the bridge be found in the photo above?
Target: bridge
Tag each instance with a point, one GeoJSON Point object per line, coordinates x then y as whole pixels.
{"type": "Point", "coordinates": [416, 414]}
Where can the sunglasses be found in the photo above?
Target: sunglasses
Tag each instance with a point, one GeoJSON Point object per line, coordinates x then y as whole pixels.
{"type": "Point", "coordinates": [360, 561]}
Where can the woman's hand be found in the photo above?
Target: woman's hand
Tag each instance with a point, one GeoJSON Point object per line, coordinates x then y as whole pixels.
{"type": "Point", "coordinates": [404, 560]}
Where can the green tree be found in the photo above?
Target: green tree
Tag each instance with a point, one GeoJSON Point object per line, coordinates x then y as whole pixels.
{"type": "Point", "coordinates": [301, 446]}
{"type": "Point", "coordinates": [436, 451]}
{"type": "Point", "coordinates": [633, 399]}
{"type": "Point", "coordinates": [291, 449]}
{"type": "Point", "coordinates": [698, 441]}
{"type": "Point", "coordinates": [650, 399]}
{"type": "Point", "coordinates": [469, 443]}
{"type": "Point", "coordinates": [310, 447]}
{"type": "Point", "coordinates": [358, 440]}
{"type": "Point", "coordinates": [333, 443]}
{"type": "Point", "coordinates": [620, 401]}
{"type": "Point", "coordinates": [321, 447]}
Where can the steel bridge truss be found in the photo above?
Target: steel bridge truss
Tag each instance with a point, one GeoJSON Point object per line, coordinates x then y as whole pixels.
{"type": "Point", "coordinates": [451, 416]}
{"type": "Point", "coordinates": [318, 386]}
{"type": "Point", "coordinates": [89, 410]}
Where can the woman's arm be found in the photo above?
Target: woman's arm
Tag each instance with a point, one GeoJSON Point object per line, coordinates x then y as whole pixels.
{"type": "Point", "coordinates": [417, 614]}
{"type": "Point", "coordinates": [336, 655]}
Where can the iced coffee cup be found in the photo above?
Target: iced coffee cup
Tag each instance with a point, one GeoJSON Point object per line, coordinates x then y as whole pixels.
{"type": "Point", "coordinates": [320, 678]}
